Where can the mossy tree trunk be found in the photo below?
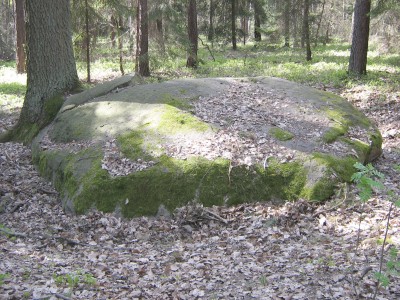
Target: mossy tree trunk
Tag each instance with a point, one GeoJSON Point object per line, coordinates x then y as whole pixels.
{"type": "Point", "coordinates": [51, 69]}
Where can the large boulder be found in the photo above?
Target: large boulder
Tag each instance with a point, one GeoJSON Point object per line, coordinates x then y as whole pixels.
{"type": "Point", "coordinates": [135, 148]}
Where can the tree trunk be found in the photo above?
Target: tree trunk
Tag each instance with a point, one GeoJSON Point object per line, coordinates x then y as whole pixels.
{"type": "Point", "coordinates": [120, 44]}
{"type": "Point", "coordinates": [87, 41]}
{"type": "Point", "coordinates": [233, 24]}
{"type": "Point", "coordinates": [160, 34]}
{"type": "Point", "coordinates": [359, 45]}
{"type": "Point", "coordinates": [131, 28]}
{"type": "Point", "coordinates": [51, 69]}
{"type": "Point", "coordinates": [306, 29]}
{"type": "Point", "coordinates": [210, 35]}
{"type": "Point", "coordinates": [287, 23]}
{"type": "Point", "coordinates": [142, 42]}
{"type": "Point", "coordinates": [21, 36]}
{"type": "Point", "coordinates": [319, 24]}
{"type": "Point", "coordinates": [244, 20]}
{"type": "Point", "coordinates": [113, 33]}
{"type": "Point", "coordinates": [193, 35]}
{"type": "Point", "coordinates": [257, 21]}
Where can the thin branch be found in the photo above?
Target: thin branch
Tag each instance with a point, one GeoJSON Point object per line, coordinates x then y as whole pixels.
{"type": "Point", "coordinates": [208, 48]}
{"type": "Point", "coordinates": [383, 249]}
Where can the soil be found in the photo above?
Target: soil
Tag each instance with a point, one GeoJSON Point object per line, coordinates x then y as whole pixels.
{"type": "Point", "coordinates": [255, 251]}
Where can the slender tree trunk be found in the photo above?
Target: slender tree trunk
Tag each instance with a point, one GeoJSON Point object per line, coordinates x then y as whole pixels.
{"type": "Point", "coordinates": [87, 41]}
{"type": "Point", "coordinates": [294, 14]}
{"type": "Point", "coordinates": [359, 45]}
{"type": "Point", "coordinates": [287, 23]}
{"type": "Point", "coordinates": [210, 35]}
{"type": "Point", "coordinates": [233, 24]}
{"type": "Point", "coordinates": [131, 28]}
{"type": "Point", "coordinates": [120, 45]}
{"type": "Point", "coordinates": [319, 23]}
{"type": "Point", "coordinates": [306, 29]}
{"type": "Point", "coordinates": [51, 70]}
{"type": "Point", "coordinates": [257, 21]}
{"type": "Point", "coordinates": [160, 34]}
{"type": "Point", "coordinates": [113, 33]}
{"type": "Point", "coordinates": [142, 43]}
{"type": "Point", "coordinates": [193, 35]}
{"type": "Point", "coordinates": [21, 35]}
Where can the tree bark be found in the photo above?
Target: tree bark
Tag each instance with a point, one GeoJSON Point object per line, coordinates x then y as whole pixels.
{"type": "Point", "coordinates": [51, 69]}
{"type": "Point", "coordinates": [319, 23]}
{"type": "Point", "coordinates": [257, 21]}
{"type": "Point", "coordinates": [306, 29]}
{"type": "Point", "coordinates": [160, 34]}
{"type": "Point", "coordinates": [113, 33]}
{"type": "Point", "coordinates": [193, 35]}
{"type": "Point", "coordinates": [21, 36]}
{"type": "Point", "coordinates": [210, 35]}
{"type": "Point", "coordinates": [233, 24]}
{"type": "Point", "coordinates": [142, 42]}
{"type": "Point", "coordinates": [120, 44]}
{"type": "Point", "coordinates": [359, 45]}
{"type": "Point", "coordinates": [87, 40]}
{"type": "Point", "coordinates": [287, 23]}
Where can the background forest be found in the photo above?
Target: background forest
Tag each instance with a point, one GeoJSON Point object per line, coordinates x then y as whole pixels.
{"type": "Point", "coordinates": [105, 33]}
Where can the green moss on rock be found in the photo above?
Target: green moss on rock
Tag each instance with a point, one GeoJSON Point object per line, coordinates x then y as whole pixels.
{"type": "Point", "coordinates": [342, 167]}
{"type": "Point", "coordinates": [333, 133]}
{"type": "Point", "coordinates": [179, 103]}
{"type": "Point", "coordinates": [174, 183]}
{"type": "Point", "coordinates": [173, 120]}
{"type": "Point", "coordinates": [51, 108]}
{"type": "Point", "coordinates": [280, 134]}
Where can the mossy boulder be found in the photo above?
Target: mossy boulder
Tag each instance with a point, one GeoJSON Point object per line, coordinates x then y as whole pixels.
{"type": "Point", "coordinates": [220, 141]}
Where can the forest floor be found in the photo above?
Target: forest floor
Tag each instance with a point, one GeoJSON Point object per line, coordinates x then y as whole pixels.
{"type": "Point", "coordinates": [253, 251]}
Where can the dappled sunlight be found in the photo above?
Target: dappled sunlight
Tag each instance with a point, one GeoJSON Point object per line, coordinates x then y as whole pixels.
{"type": "Point", "coordinates": [9, 75]}
{"type": "Point", "coordinates": [337, 53]}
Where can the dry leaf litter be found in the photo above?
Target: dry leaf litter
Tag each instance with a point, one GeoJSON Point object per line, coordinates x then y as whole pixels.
{"type": "Point", "coordinates": [253, 251]}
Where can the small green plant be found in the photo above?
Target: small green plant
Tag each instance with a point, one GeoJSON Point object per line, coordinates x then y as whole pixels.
{"type": "Point", "coordinates": [26, 295]}
{"type": "Point", "coordinates": [89, 279]}
{"type": "Point", "coordinates": [2, 277]}
{"type": "Point", "coordinates": [263, 280]}
{"type": "Point", "coordinates": [368, 179]}
{"type": "Point", "coordinates": [74, 279]}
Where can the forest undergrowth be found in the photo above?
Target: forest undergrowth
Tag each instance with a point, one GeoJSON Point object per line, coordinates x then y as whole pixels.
{"type": "Point", "coordinates": [255, 251]}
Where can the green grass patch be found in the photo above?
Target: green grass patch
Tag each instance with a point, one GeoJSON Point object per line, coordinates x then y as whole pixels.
{"type": "Point", "coordinates": [13, 88]}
